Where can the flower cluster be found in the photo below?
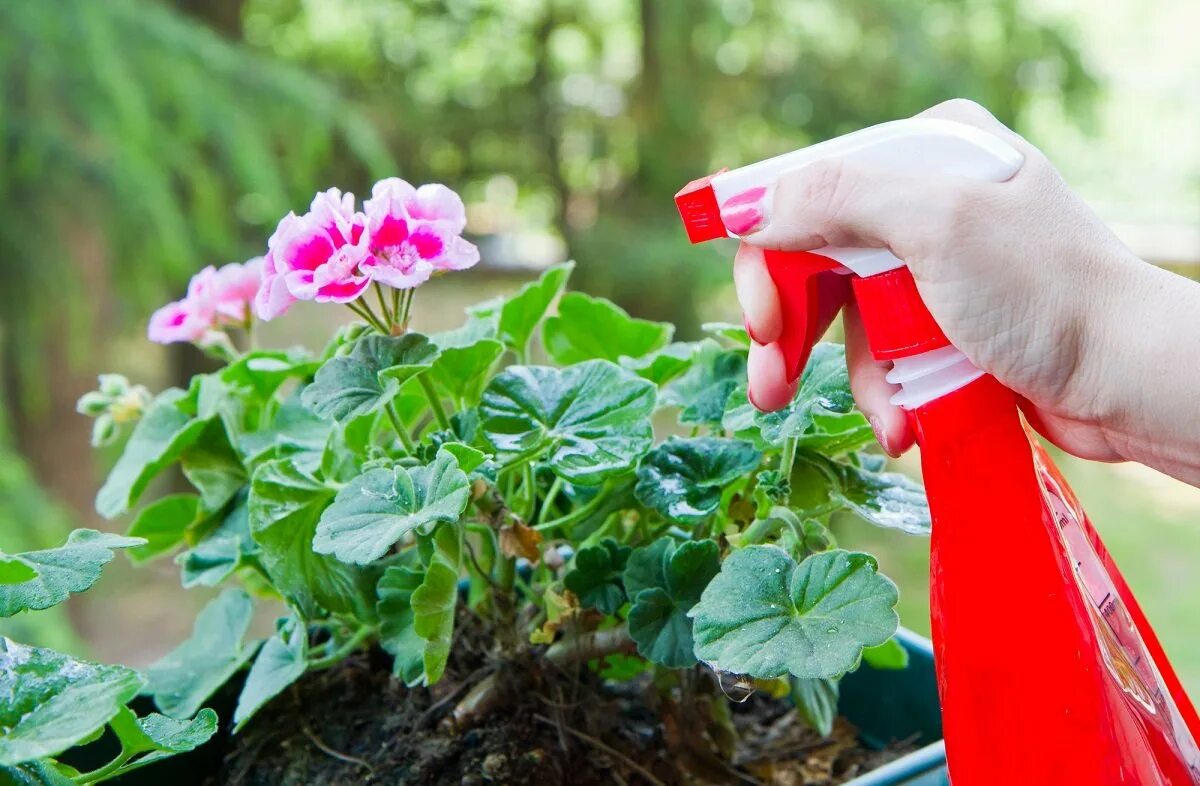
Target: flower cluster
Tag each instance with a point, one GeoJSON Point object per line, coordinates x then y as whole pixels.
{"type": "Point", "coordinates": [215, 298]}
{"type": "Point", "coordinates": [331, 254]}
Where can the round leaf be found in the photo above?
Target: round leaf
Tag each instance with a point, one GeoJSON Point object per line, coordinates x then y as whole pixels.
{"type": "Point", "coordinates": [587, 328]}
{"type": "Point", "coordinates": [665, 581]}
{"type": "Point", "coordinates": [378, 508]}
{"type": "Point", "coordinates": [766, 616]}
{"type": "Point", "coordinates": [591, 420]}
{"type": "Point", "coordinates": [58, 572]}
{"type": "Point", "coordinates": [683, 478]}
{"type": "Point", "coordinates": [369, 377]}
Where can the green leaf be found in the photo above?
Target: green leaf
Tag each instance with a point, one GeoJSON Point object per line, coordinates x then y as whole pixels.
{"type": "Point", "coordinates": [369, 377]}
{"type": "Point", "coordinates": [885, 499]}
{"type": "Point", "coordinates": [481, 324]}
{"type": "Point", "coordinates": [162, 524]}
{"type": "Point", "coordinates": [52, 701]}
{"type": "Point", "coordinates": [221, 552]}
{"type": "Point", "coordinates": [378, 508]}
{"type": "Point", "coordinates": [834, 434]}
{"type": "Point", "coordinates": [824, 386]}
{"type": "Point", "coordinates": [662, 366]}
{"type": "Point", "coordinates": [890, 656]}
{"type": "Point", "coordinates": [34, 773]}
{"type": "Point", "coordinates": [182, 681]}
{"type": "Point", "coordinates": [469, 459]}
{"type": "Point", "coordinates": [590, 420]}
{"type": "Point", "coordinates": [157, 440]}
{"type": "Point", "coordinates": [816, 700]}
{"type": "Point", "coordinates": [285, 505]}
{"type": "Point", "coordinates": [433, 603]}
{"type": "Point", "coordinates": [702, 392]}
{"type": "Point", "coordinates": [264, 370]}
{"type": "Point", "coordinates": [766, 616]}
{"type": "Point", "coordinates": [161, 737]}
{"type": "Point", "coordinates": [683, 478]}
{"type": "Point", "coordinates": [58, 572]}
{"type": "Point", "coordinates": [212, 465]}
{"type": "Point", "coordinates": [281, 661]}
{"type": "Point", "coordinates": [520, 314]}
{"type": "Point", "coordinates": [588, 328]}
{"type": "Point", "coordinates": [461, 372]}
{"type": "Point", "coordinates": [734, 334]}
{"type": "Point", "coordinates": [596, 576]}
{"type": "Point", "coordinates": [398, 635]}
{"type": "Point", "coordinates": [416, 610]}
{"type": "Point", "coordinates": [14, 570]}
{"type": "Point", "coordinates": [665, 581]}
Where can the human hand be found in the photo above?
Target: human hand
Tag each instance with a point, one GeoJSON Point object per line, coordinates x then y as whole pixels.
{"type": "Point", "coordinates": [1021, 276]}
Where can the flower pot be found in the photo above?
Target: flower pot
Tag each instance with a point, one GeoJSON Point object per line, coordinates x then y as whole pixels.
{"type": "Point", "coordinates": [897, 705]}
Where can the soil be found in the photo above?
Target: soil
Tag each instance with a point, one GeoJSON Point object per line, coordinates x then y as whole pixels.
{"type": "Point", "coordinates": [355, 724]}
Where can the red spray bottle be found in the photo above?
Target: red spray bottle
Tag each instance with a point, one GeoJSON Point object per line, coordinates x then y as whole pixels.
{"type": "Point", "coordinates": [1089, 697]}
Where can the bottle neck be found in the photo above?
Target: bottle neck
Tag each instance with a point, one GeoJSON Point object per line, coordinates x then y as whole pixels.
{"type": "Point", "coordinates": [928, 376]}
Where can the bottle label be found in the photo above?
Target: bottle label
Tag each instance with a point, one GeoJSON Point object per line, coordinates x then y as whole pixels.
{"type": "Point", "coordinates": [1125, 651]}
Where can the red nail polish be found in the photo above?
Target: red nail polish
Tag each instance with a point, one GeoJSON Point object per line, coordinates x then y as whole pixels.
{"type": "Point", "coordinates": [743, 213]}
{"type": "Point", "coordinates": [881, 436]}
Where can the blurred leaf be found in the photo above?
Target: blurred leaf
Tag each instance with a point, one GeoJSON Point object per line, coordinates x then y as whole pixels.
{"type": "Point", "coordinates": [281, 661]}
{"type": "Point", "coordinates": [816, 700]}
{"type": "Point", "coordinates": [34, 773]}
{"type": "Point", "coordinates": [587, 328]}
{"type": "Point", "coordinates": [520, 314]}
{"type": "Point", "coordinates": [162, 524]}
{"type": "Point", "coordinates": [461, 372]}
{"type": "Point", "coordinates": [72, 567]}
{"type": "Point", "coordinates": [397, 634]}
{"type": "Point", "coordinates": [161, 737]}
{"type": "Point", "coordinates": [734, 334]}
{"type": "Point", "coordinates": [187, 676]}
{"type": "Point", "coordinates": [221, 551]}
{"type": "Point", "coordinates": [162, 434]}
{"type": "Point", "coordinates": [53, 701]}
{"type": "Point", "coordinates": [889, 655]}
{"type": "Point", "coordinates": [663, 365]}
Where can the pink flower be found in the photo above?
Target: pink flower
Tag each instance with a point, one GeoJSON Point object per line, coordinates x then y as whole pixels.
{"type": "Point", "coordinates": [191, 318]}
{"type": "Point", "coordinates": [415, 232]}
{"type": "Point", "coordinates": [315, 256]}
{"type": "Point", "coordinates": [236, 287]}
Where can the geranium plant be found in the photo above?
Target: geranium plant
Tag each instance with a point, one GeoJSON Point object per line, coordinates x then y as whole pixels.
{"type": "Point", "coordinates": [397, 487]}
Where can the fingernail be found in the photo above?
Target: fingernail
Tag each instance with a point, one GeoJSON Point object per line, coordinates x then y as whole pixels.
{"type": "Point", "coordinates": [750, 330]}
{"type": "Point", "coordinates": [745, 212]}
{"type": "Point", "coordinates": [880, 435]}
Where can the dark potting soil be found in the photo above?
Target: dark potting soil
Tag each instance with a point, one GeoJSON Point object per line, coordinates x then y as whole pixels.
{"type": "Point", "coordinates": [354, 724]}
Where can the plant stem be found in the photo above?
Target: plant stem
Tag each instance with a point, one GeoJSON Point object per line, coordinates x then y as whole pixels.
{"type": "Point", "coordinates": [549, 499]}
{"type": "Point", "coordinates": [787, 458]}
{"type": "Point", "coordinates": [405, 309]}
{"type": "Point", "coordinates": [435, 402]}
{"type": "Point", "coordinates": [361, 308]}
{"type": "Point", "coordinates": [395, 303]}
{"type": "Point", "coordinates": [107, 770]}
{"type": "Point", "coordinates": [348, 646]}
{"type": "Point", "coordinates": [574, 515]}
{"type": "Point", "coordinates": [528, 491]}
{"type": "Point", "coordinates": [388, 316]}
{"type": "Point", "coordinates": [401, 432]}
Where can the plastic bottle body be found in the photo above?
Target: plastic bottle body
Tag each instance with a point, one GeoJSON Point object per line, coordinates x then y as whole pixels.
{"type": "Point", "coordinates": [1033, 689]}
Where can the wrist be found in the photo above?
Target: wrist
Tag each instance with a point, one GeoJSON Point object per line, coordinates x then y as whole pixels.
{"type": "Point", "coordinates": [1145, 369]}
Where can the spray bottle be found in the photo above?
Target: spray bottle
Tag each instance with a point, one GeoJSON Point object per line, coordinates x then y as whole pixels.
{"type": "Point", "coordinates": [1074, 688]}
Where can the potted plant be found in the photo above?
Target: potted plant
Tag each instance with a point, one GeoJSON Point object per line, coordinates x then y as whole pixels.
{"type": "Point", "coordinates": [603, 566]}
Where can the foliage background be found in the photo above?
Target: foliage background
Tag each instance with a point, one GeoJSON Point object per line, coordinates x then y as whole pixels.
{"type": "Point", "coordinates": [141, 140]}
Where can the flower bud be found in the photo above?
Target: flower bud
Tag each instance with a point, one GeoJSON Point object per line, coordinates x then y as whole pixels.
{"type": "Point", "coordinates": [93, 404]}
{"type": "Point", "coordinates": [113, 385]}
{"type": "Point", "coordinates": [104, 430]}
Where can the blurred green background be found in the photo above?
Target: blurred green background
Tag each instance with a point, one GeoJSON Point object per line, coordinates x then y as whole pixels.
{"type": "Point", "coordinates": [142, 140]}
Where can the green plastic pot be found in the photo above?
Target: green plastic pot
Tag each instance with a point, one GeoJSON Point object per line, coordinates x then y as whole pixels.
{"type": "Point", "coordinates": [888, 706]}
